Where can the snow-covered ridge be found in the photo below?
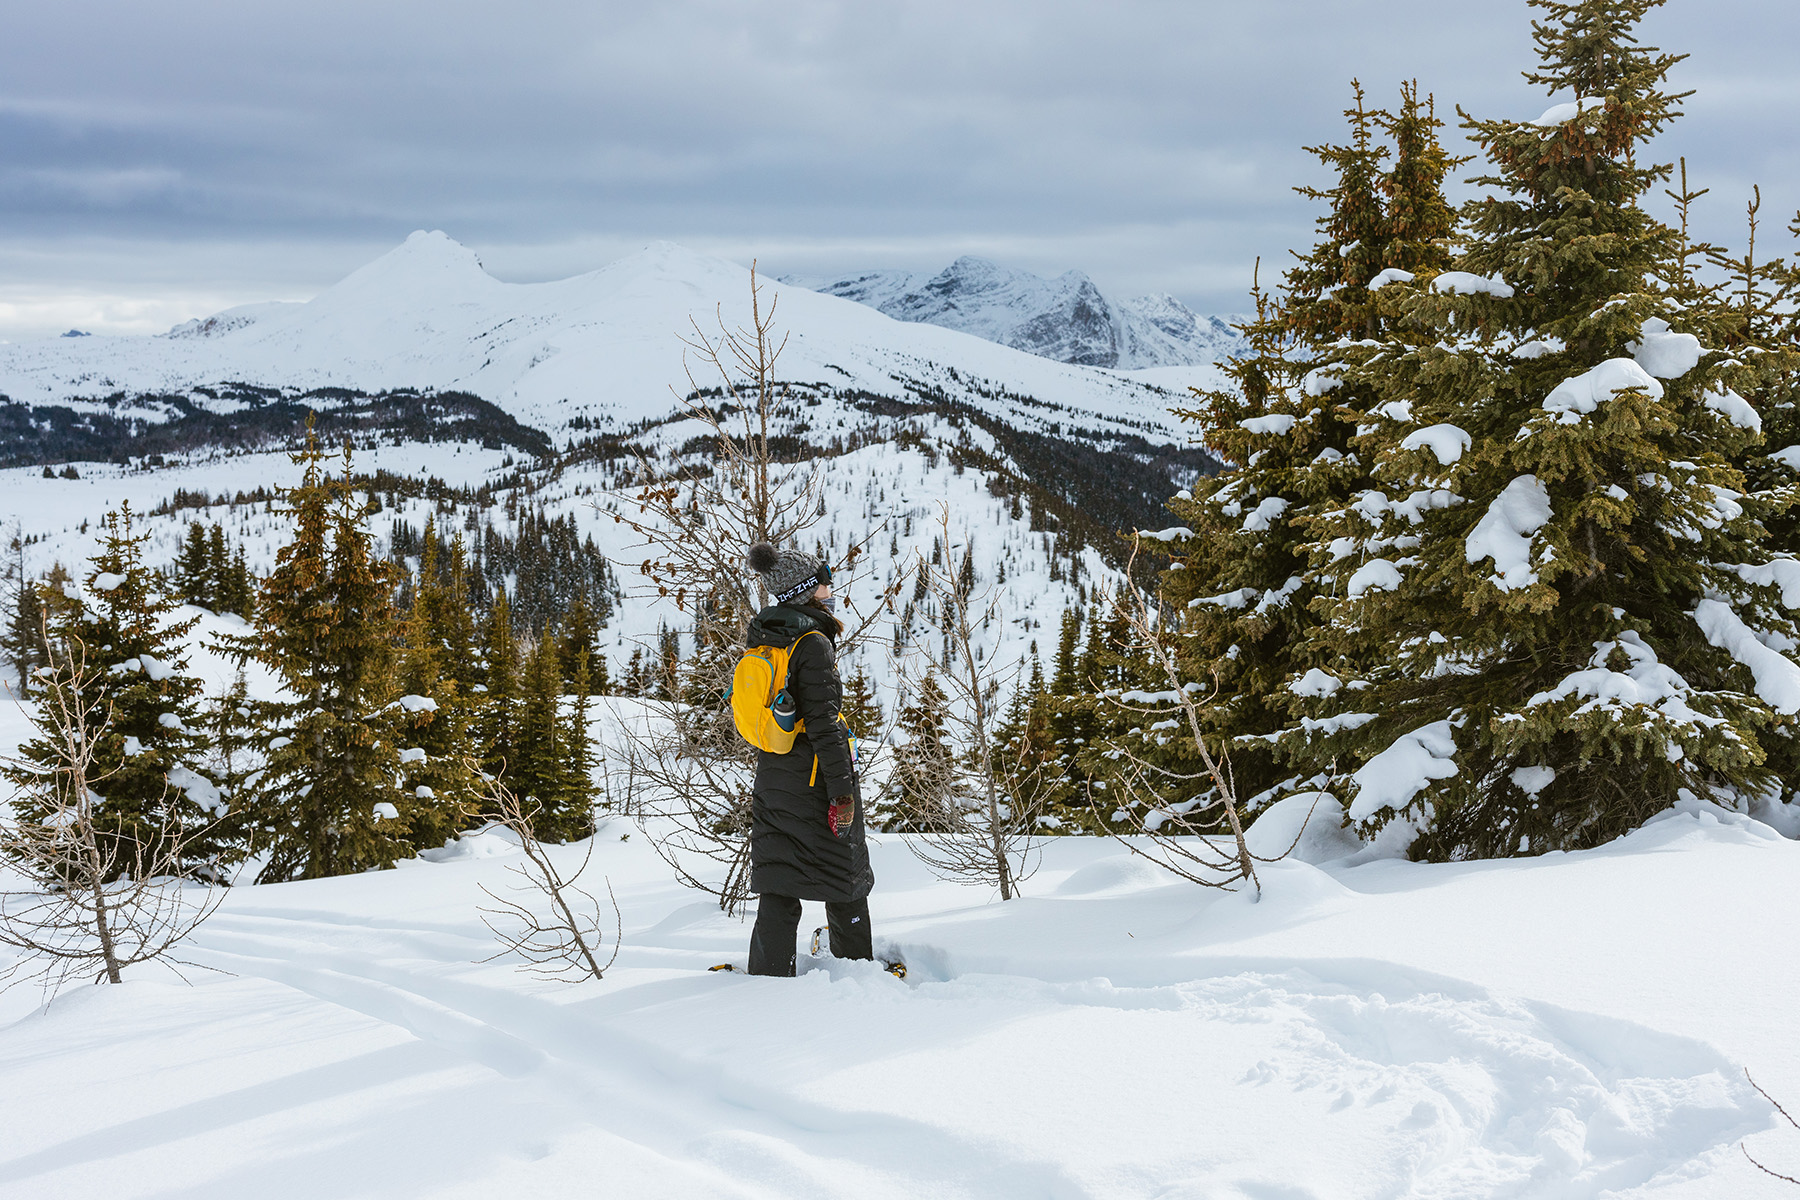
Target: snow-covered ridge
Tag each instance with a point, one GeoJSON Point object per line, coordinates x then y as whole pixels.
{"type": "Point", "coordinates": [1065, 318]}
{"type": "Point", "coordinates": [595, 348]}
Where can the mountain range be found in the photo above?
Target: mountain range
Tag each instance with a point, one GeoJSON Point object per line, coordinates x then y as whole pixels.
{"type": "Point", "coordinates": [480, 403]}
{"type": "Point", "coordinates": [1065, 318]}
{"type": "Point", "coordinates": [422, 345]}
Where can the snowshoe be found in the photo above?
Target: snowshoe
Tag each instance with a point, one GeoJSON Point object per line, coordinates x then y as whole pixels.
{"type": "Point", "coordinates": [820, 947]}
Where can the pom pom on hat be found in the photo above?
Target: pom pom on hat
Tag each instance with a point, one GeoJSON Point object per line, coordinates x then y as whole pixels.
{"type": "Point", "coordinates": [762, 558]}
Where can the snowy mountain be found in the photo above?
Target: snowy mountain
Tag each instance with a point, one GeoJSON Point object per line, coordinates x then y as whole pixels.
{"type": "Point", "coordinates": [601, 346]}
{"type": "Point", "coordinates": [1066, 318]}
{"type": "Point", "coordinates": [495, 400]}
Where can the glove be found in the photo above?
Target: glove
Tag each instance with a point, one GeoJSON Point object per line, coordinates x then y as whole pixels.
{"type": "Point", "coordinates": [840, 814]}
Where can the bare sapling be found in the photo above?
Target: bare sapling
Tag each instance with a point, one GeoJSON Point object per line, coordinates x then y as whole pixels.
{"type": "Point", "coordinates": [1784, 1116]}
{"type": "Point", "coordinates": [695, 523]}
{"type": "Point", "coordinates": [546, 918]}
{"type": "Point", "coordinates": [85, 902]}
{"type": "Point", "coordinates": [1182, 835]}
{"type": "Point", "coordinates": [968, 813]}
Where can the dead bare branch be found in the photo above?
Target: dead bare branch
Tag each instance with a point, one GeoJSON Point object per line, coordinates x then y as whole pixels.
{"type": "Point", "coordinates": [563, 944]}
{"type": "Point", "coordinates": [79, 908]}
{"type": "Point", "coordinates": [968, 814]}
{"type": "Point", "coordinates": [1177, 833]}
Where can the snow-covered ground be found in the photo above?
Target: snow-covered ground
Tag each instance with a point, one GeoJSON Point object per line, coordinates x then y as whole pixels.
{"type": "Point", "coordinates": [1570, 1026]}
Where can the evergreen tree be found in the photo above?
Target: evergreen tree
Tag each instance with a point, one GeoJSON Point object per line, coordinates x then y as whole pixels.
{"type": "Point", "coordinates": [547, 777]}
{"type": "Point", "coordinates": [861, 707]}
{"type": "Point", "coordinates": [665, 685]}
{"type": "Point", "coordinates": [193, 575]}
{"type": "Point", "coordinates": [22, 638]}
{"type": "Point", "coordinates": [329, 803]}
{"type": "Point", "coordinates": [1027, 754]}
{"type": "Point", "coordinates": [1068, 713]}
{"type": "Point", "coordinates": [1548, 635]}
{"type": "Point", "coordinates": [439, 758]}
{"type": "Point", "coordinates": [218, 567]}
{"type": "Point", "coordinates": [580, 639]}
{"type": "Point", "coordinates": [924, 775]}
{"type": "Point", "coordinates": [149, 768]}
{"type": "Point", "coordinates": [579, 758]}
{"type": "Point", "coordinates": [236, 592]}
{"type": "Point", "coordinates": [1245, 579]}
{"type": "Point", "coordinates": [497, 726]}
{"type": "Point", "coordinates": [233, 743]}
{"type": "Point", "coordinates": [634, 683]}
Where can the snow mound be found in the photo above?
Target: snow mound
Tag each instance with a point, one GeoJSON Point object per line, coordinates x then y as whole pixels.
{"type": "Point", "coordinates": [1446, 442]}
{"type": "Point", "coordinates": [1663, 354]}
{"type": "Point", "coordinates": [1393, 777]}
{"type": "Point", "coordinates": [1463, 283]}
{"type": "Point", "coordinates": [1376, 575]}
{"type": "Point", "coordinates": [1505, 531]}
{"type": "Point", "coordinates": [1558, 115]}
{"type": "Point", "coordinates": [1308, 827]}
{"type": "Point", "coordinates": [1733, 408]}
{"type": "Point", "coordinates": [1777, 678]}
{"type": "Point", "coordinates": [1120, 872]}
{"type": "Point", "coordinates": [1585, 392]}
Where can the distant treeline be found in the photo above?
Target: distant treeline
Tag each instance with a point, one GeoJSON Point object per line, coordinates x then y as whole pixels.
{"type": "Point", "coordinates": [41, 434]}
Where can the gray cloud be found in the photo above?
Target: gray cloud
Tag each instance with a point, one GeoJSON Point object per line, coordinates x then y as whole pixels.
{"type": "Point", "coordinates": [163, 157]}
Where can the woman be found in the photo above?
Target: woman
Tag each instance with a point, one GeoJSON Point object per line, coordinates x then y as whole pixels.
{"type": "Point", "coordinates": [806, 831]}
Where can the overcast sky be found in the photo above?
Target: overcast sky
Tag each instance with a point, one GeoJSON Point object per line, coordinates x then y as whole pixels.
{"type": "Point", "coordinates": [164, 160]}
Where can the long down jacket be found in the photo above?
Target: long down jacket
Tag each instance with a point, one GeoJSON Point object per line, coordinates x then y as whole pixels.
{"type": "Point", "coordinates": [792, 849]}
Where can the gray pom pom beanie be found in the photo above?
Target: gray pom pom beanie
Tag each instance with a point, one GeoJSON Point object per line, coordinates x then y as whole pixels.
{"type": "Point", "coordinates": [786, 573]}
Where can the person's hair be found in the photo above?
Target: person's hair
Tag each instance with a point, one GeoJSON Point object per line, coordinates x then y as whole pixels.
{"type": "Point", "coordinates": [829, 620]}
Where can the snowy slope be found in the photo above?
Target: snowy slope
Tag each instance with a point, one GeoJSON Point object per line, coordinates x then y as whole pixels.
{"type": "Point", "coordinates": [604, 345]}
{"type": "Point", "coordinates": [1065, 318]}
{"type": "Point", "coordinates": [1390, 1030]}
{"type": "Point", "coordinates": [896, 495]}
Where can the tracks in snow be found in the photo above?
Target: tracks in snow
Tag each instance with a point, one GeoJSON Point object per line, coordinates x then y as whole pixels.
{"type": "Point", "coordinates": [1473, 1095]}
{"type": "Point", "coordinates": [680, 1106]}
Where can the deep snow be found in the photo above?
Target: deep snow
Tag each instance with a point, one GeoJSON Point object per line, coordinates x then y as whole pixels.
{"type": "Point", "coordinates": [1569, 1026]}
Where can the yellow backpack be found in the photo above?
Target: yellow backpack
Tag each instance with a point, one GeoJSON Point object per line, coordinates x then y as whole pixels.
{"type": "Point", "coordinates": [760, 705]}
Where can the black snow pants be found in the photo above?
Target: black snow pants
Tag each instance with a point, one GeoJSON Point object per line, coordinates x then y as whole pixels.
{"type": "Point", "coordinates": [778, 921]}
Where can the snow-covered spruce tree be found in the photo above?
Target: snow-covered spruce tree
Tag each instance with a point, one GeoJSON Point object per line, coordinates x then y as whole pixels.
{"type": "Point", "coordinates": [437, 662]}
{"type": "Point", "coordinates": [1243, 577]}
{"type": "Point", "coordinates": [1563, 607]}
{"type": "Point", "coordinates": [148, 772]}
{"type": "Point", "coordinates": [1753, 318]}
{"type": "Point", "coordinates": [80, 899]}
{"type": "Point", "coordinates": [329, 800]}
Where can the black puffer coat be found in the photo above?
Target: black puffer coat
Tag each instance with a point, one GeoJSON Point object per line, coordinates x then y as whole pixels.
{"type": "Point", "coordinates": [792, 849]}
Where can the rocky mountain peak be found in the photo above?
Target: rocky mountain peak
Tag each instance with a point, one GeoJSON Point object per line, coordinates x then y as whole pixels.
{"type": "Point", "coordinates": [1066, 318]}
